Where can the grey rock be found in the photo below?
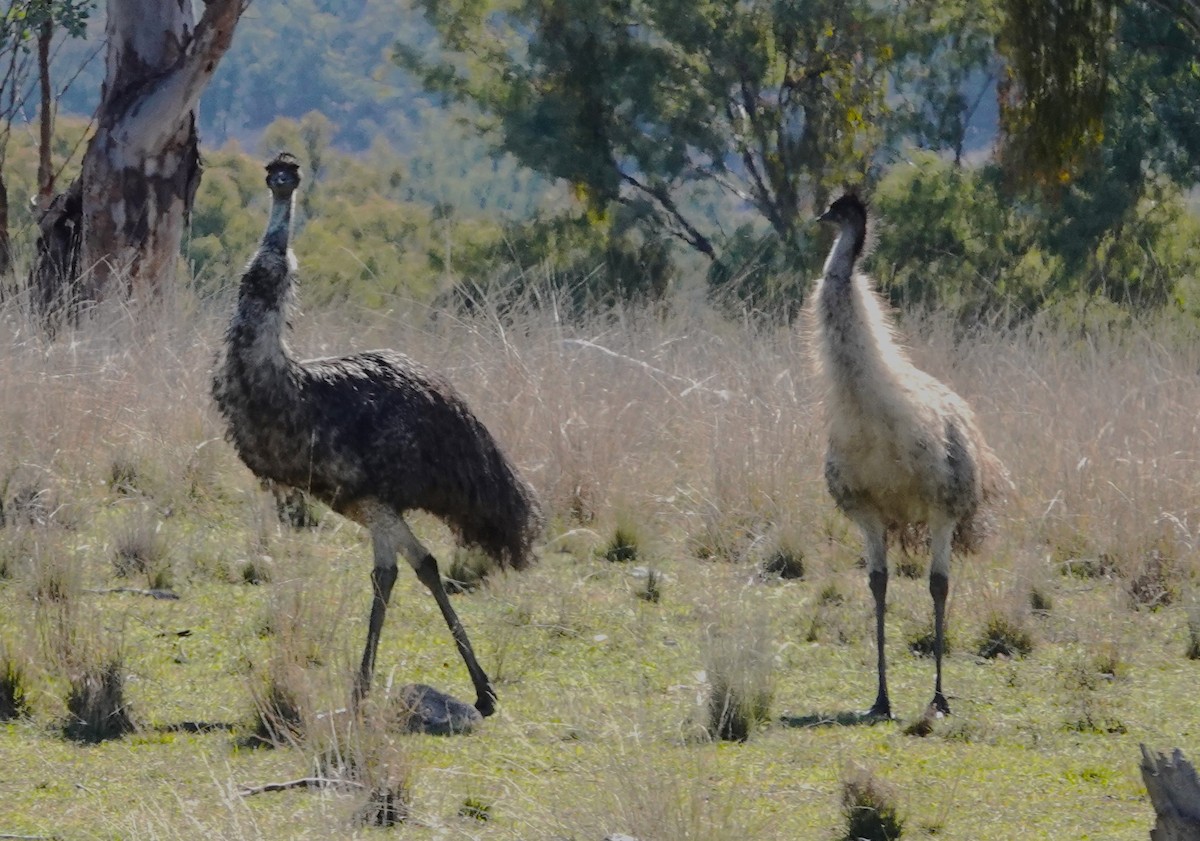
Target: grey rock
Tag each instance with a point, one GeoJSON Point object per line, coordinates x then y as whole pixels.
{"type": "Point", "coordinates": [422, 709]}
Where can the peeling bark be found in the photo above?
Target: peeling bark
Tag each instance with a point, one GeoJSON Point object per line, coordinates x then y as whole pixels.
{"type": "Point", "coordinates": [1174, 790]}
{"type": "Point", "coordinates": [121, 237]}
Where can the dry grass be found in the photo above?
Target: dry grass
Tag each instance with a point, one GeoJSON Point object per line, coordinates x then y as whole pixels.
{"type": "Point", "coordinates": [707, 433]}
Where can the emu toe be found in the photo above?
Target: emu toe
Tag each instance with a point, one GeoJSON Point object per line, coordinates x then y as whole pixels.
{"type": "Point", "coordinates": [486, 703]}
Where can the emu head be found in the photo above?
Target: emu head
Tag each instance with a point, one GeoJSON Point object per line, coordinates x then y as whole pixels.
{"type": "Point", "coordinates": [849, 209]}
{"type": "Point", "coordinates": [283, 175]}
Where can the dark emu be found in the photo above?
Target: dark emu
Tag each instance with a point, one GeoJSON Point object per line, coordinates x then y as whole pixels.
{"type": "Point", "coordinates": [373, 435]}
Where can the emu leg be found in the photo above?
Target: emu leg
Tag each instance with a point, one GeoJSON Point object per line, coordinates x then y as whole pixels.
{"type": "Point", "coordinates": [876, 546]}
{"type": "Point", "coordinates": [485, 695]}
{"type": "Point", "coordinates": [882, 708]}
{"type": "Point", "coordinates": [382, 579]}
{"type": "Point", "coordinates": [939, 588]}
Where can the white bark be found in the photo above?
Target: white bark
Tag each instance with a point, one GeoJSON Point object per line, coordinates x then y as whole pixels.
{"type": "Point", "coordinates": [142, 166]}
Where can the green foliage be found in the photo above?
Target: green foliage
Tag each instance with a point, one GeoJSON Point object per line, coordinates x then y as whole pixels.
{"type": "Point", "coordinates": [946, 73]}
{"type": "Point", "coordinates": [960, 240]}
{"type": "Point", "coordinates": [1058, 52]}
{"type": "Point", "coordinates": [636, 103]}
{"type": "Point", "coordinates": [23, 17]}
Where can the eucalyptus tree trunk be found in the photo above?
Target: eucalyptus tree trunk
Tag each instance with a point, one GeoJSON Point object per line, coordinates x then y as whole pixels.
{"type": "Point", "coordinates": [115, 233]}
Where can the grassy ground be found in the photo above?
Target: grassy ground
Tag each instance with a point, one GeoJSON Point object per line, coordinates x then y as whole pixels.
{"type": "Point", "coordinates": [701, 441]}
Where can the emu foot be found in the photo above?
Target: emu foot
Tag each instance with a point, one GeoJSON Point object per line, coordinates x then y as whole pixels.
{"type": "Point", "coordinates": [486, 702]}
{"type": "Point", "coordinates": [881, 710]}
{"type": "Point", "coordinates": [939, 705]}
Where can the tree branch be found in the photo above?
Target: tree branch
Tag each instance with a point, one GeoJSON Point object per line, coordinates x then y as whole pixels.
{"type": "Point", "coordinates": [687, 231]}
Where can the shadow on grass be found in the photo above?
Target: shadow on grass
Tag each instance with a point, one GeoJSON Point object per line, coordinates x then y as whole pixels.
{"type": "Point", "coordinates": [197, 727]}
{"type": "Point", "coordinates": [833, 719]}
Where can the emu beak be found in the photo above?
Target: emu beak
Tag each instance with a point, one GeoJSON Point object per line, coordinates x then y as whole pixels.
{"type": "Point", "coordinates": [824, 217]}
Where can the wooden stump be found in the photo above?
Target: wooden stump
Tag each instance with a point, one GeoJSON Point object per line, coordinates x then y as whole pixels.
{"type": "Point", "coordinates": [1175, 793]}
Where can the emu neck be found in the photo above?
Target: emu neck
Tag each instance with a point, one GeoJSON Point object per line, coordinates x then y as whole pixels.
{"type": "Point", "coordinates": [257, 330]}
{"type": "Point", "coordinates": [856, 346]}
{"type": "Point", "coordinates": [279, 226]}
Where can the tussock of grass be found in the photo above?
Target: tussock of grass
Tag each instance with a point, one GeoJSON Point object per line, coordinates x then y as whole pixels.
{"type": "Point", "coordinates": [124, 473]}
{"type": "Point", "coordinates": [467, 570]}
{"type": "Point", "coordinates": [280, 708]}
{"type": "Point", "coordinates": [364, 753]}
{"type": "Point", "coordinates": [651, 589]}
{"type": "Point", "coordinates": [910, 565]}
{"type": "Point", "coordinates": [1192, 651]}
{"type": "Point", "coordinates": [294, 508]}
{"type": "Point", "coordinates": [869, 808]}
{"type": "Point", "coordinates": [1040, 599]}
{"type": "Point", "coordinates": [921, 641]}
{"type": "Point", "coordinates": [1004, 635]}
{"type": "Point", "coordinates": [1154, 584]}
{"type": "Point", "coordinates": [14, 687]}
{"type": "Point", "coordinates": [740, 665]}
{"type": "Point", "coordinates": [97, 709]}
{"type": "Point", "coordinates": [475, 809]}
{"type": "Point", "coordinates": [138, 546]}
{"type": "Point", "coordinates": [785, 558]}
{"type": "Point", "coordinates": [257, 571]}
{"type": "Point", "coordinates": [624, 546]}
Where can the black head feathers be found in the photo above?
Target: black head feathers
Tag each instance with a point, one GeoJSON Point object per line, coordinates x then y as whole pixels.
{"type": "Point", "coordinates": [848, 208]}
{"type": "Point", "coordinates": [283, 174]}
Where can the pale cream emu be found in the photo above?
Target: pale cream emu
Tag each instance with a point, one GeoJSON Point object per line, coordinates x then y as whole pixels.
{"type": "Point", "coordinates": [904, 450]}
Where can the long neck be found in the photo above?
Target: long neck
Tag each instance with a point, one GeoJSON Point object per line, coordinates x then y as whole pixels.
{"type": "Point", "coordinates": [279, 225]}
{"type": "Point", "coordinates": [845, 252]}
{"type": "Point", "coordinates": [857, 351]}
{"type": "Point", "coordinates": [257, 329]}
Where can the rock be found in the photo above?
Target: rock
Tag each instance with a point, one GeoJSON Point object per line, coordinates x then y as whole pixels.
{"type": "Point", "coordinates": [419, 708]}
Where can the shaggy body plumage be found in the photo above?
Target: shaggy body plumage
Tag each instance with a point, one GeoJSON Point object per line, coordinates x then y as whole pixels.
{"type": "Point", "coordinates": [904, 450]}
{"type": "Point", "coordinates": [374, 435]}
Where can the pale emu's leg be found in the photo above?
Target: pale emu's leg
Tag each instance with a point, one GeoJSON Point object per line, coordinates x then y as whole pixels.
{"type": "Point", "coordinates": [939, 587]}
{"type": "Point", "coordinates": [875, 544]}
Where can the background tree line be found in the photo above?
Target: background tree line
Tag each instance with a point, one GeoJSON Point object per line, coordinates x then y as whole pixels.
{"type": "Point", "coordinates": [1023, 153]}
